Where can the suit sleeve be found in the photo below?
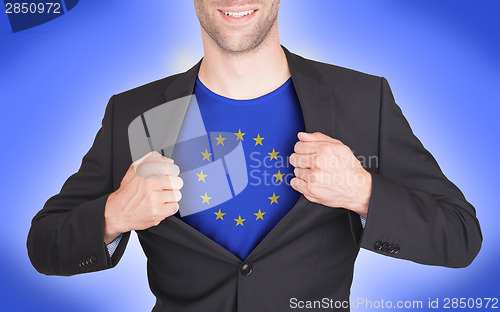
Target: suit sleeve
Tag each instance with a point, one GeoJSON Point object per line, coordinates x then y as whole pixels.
{"type": "Point", "coordinates": [67, 236]}
{"type": "Point", "coordinates": [415, 212]}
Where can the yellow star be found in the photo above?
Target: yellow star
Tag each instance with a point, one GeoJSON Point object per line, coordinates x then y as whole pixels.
{"type": "Point", "coordinates": [201, 176]}
{"type": "Point", "coordinates": [259, 215]}
{"type": "Point", "coordinates": [279, 176]}
{"type": "Point", "coordinates": [239, 221]}
{"type": "Point", "coordinates": [219, 215]}
{"type": "Point", "coordinates": [273, 154]}
{"type": "Point", "coordinates": [206, 155]}
{"type": "Point", "coordinates": [239, 135]}
{"type": "Point", "coordinates": [274, 199]}
{"type": "Point", "coordinates": [206, 198]}
{"type": "Point", "coordinates": [258, 140]}
{"type": "Point", "coordinates": [220, 139]}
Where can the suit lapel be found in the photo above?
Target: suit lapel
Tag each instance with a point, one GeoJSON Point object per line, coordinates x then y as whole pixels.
{"type": "Point", "coordinates": [316, 98]}
{"type": "Point", "coordinates": [318, 109]}
{"type": "Point", "coordinates": [183, 84]}
{"type": "Point", "coordinates": [317, 104]}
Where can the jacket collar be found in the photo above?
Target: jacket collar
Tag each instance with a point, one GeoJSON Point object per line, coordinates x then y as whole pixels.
{"type": "Point", "coordinates": [315, 97]}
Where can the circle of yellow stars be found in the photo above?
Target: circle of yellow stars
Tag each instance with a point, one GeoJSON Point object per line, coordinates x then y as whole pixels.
{"type": "Point", "coordinates": [201, 177]}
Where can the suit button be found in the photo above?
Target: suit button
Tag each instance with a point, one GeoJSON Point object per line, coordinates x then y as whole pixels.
{"type": "Point", "coordinates": [390, 249]}
{"type": "Point", "coordinates": [246, 269]}
{"type": "Point", "coordinates": [396, 249]}
{"type": "Point", "coordinates": [87, 262]}
{"type": "Point", "coordinates": [384, 246]}
{"type": "Point", "coordinates": [93, 260]}
{"type": "Point", "coordinates": [378, 245]}
{"type": "Point", "coordinates": [82, 263]}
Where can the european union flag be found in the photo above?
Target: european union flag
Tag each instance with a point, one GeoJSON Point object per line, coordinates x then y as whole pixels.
{"type": "Point", "coordinates": [232, 157]}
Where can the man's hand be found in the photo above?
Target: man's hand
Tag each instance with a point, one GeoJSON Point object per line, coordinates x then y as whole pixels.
{"type": "Point", "coordinates": [328, 173]}
{"type": "Point", "coordinates": [148, 193]}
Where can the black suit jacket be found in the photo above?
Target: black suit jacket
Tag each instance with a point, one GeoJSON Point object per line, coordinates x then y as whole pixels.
{"type": "Point", "coordinates": [415, 212]}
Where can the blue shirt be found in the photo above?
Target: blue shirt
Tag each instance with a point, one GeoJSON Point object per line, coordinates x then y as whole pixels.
{"type": "Point", "coordinates": [252, 141]}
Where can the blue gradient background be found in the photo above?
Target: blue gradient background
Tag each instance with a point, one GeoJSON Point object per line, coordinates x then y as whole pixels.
{"type": "Point", "coordinates": [440, 57]}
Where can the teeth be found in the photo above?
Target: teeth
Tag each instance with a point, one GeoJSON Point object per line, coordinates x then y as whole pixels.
{"type": "Point", "coordinates": [239, 14]}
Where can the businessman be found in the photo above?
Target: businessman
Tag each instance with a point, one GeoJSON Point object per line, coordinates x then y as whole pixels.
{"type": "Point", "coordinates": [292, 238]}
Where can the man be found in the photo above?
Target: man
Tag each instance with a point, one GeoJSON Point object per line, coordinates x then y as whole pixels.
{"type": "Point", "coordinates": [307, 248]}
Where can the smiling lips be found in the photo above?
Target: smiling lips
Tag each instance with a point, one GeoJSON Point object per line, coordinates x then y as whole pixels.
{"type": "Point", "coordinates": [239, 14]}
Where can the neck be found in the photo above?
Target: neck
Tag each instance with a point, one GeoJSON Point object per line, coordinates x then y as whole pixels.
{"type": "Point", "coordinates": [247, 75]}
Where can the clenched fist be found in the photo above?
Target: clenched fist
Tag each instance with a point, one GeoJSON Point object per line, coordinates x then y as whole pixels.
{"type": "Point", "coordinates": [148, 193]}
{"type": "Point", "coordinates": [328, 173]}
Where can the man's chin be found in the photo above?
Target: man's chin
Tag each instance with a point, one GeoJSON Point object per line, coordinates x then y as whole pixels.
{"type": "Point", "coordinates": [239, 46]}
